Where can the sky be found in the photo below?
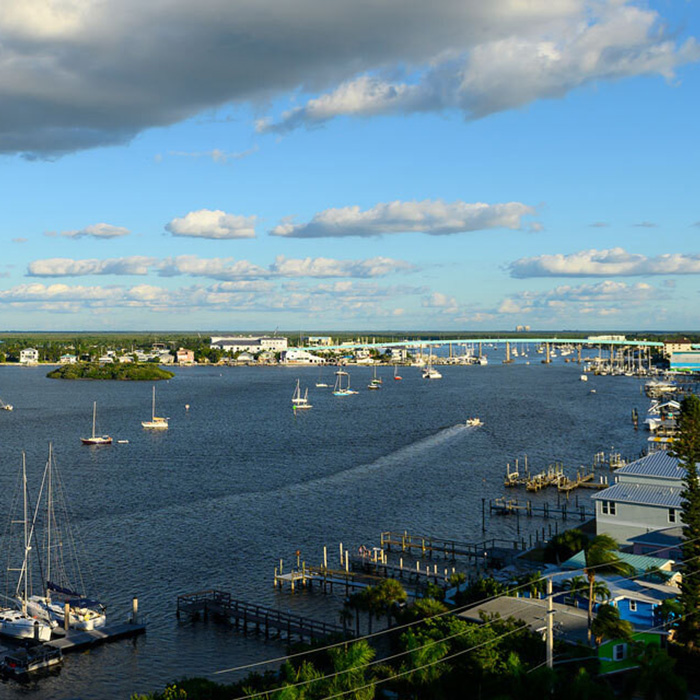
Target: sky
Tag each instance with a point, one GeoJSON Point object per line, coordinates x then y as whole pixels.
{"type": "Point", "coordinates": [367, 165]}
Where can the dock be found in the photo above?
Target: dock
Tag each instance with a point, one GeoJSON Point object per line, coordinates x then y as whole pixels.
{"type": "Point", "coordinates": [78, 640]}
{"type": "Point", "coordinates": [504, 506]}
{"type": "Point", "coordinates": [255, 618]}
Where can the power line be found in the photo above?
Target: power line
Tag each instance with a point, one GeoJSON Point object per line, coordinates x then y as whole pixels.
{"type": "Point", "coordinates": [407, 625]}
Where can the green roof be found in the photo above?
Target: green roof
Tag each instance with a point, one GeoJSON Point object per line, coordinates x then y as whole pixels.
{"type": "Point", "coordinates": [639, 562]}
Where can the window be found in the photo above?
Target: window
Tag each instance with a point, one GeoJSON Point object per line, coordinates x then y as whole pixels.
{"type": "Point", "coordinates": [671, 515]}
{"type": "Point", "coordinates": [619, 652]}
{"type": "Point", "coordinates": [607, 507]}
{"type": "Point", "coordinates": [633, 606]}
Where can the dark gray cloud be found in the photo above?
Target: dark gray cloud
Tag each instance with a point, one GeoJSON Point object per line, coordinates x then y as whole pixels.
{"type": "Point", "coordinates": [76, 75]}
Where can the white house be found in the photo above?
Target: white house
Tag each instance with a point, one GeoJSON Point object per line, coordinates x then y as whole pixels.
{"type": "Point", "coordinates": [28, 356]}
{"type": "Point", "coordinates": [297, 356]}
{"type": "Point", "coordinates": [646, 496]}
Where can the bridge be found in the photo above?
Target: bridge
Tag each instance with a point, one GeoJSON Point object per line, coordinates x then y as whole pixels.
{"type": "Point", "coordinates": [589, 341]}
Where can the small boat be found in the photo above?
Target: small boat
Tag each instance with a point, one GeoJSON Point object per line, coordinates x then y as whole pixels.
{"type": "Point", "coordinates": [123, 442]}
{"type": "Point", "coordinates": [25, 660]}
{"type": "Point", "coordinates": [473, 422]}
{"type": "Point", "coordinates": [342, 387]}
{"type": "Point", "coordinates": [584, 377]}
{"type": "Point", "coordinates": [431, 373]}
{"type": "Point", "coordinates": [397, 377]}
{"type": "Point", "coordinates": [374, 382]}
{"type": "Point", "coordinates": [156, 422]}
{"type": "Point", "coordinates": [96, 439]}
{"type": "Point", "coordinates": [299, 402]}
{"type": "Point", "coordinates": [5, 406]}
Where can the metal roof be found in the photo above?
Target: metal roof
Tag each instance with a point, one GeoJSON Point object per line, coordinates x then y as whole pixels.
{"type": "Point", "coordinates": [626, 492]}
{"type": "Point", "coordinates": [659, 464]}
{"type": "Point", "coordinates": [639, 562]}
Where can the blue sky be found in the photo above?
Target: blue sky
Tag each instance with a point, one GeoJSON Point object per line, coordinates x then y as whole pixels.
{"type": "Point", "coordinates": [454, 166]}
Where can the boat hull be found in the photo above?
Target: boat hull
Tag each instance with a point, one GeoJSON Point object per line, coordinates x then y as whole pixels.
{"type": "Point", "coordinates": [17, 625]}
{"type": "Point", "coordinates": [104, 440]}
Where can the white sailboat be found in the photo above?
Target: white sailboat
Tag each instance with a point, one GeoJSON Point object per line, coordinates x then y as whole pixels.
{"type": "Point", "coordinates": [342, 386]}
{"type": "Point", "coordinates": [96, 439]}
{"type": "Point", "coordinates": [299, 402]}
{"type": "Point", "coordinates": [61, 563]}
{"type": "Point", "coordinates": [18, 622]}
{"type": "Point", "coordinates": [156, 422]}
{"type": "Point", "coordinates": [375, 383]}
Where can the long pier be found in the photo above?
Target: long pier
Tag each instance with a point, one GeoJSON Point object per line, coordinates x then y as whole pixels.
{"type": "Point", "coordinates": [251, 617]}
{"type": "Point", "coordinates": [503, 506]}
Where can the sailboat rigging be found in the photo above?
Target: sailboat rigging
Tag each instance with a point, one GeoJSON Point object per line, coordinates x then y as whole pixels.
{"type": "Point", "coordinates": [300, 402]}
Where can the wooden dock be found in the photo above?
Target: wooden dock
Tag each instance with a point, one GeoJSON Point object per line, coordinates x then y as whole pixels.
{"type": "Point", "coordinates": [428, 546]}
{"type": "Point", "coordinates": [503, 506]}
{"type": "Point", "coordinates": [256, 618]}
{"type": "Point", "coordinates": [78, 640]}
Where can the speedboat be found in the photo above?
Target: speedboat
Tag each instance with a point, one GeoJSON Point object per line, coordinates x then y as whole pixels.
{"type": "Point", "coordinates": [473, 422]}
{"type": "Point", "coordinates": [25, 660]}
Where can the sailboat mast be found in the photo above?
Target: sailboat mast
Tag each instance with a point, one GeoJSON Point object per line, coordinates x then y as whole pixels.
{"type": "Point", "coordinates": [153, 407]}
{"type": "Point", "coordinates": [94, 413]}
{"type": "Point", "coordinates": [25, 565]}
{"type": "Point", "coordinates": [49, 513]}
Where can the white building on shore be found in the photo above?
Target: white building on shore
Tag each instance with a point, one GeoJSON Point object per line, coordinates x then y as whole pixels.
{"type": "Point", "coordinates": [251, 344]}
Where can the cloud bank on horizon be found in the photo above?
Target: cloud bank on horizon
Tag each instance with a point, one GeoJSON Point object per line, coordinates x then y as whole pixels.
{"type": "Point", "coordinates": [160, 63]}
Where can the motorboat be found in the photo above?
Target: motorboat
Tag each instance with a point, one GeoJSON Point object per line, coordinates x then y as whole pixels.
{"type": "Point", "coordinates": [431, 373]}
{"type": "Point", "coordinates": [474, 422]}
{"type": "Point", "coordinates": [19, 663]}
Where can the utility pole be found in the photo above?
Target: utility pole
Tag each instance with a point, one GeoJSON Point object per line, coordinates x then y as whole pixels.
{"type": "Point", "coordinates": [550, 625]}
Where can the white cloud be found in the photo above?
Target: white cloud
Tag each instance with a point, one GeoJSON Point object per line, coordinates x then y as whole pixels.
{"type": "Point", "coordinates": [441, 302]}
{"type": "Point", "coordinates": [582, 299]}
{"type": "Point", "coordinates": [66, 267]}
{"type": "Point", "coordinates": [614, 262]}
{"type": "Point", "coordinates": [216, 224]}
{"type": "Point", "coordinates": [162, 62]}
{"type": "Point", "coordinates": [600, 41]}
{"type": "Point", "coordinates": [220, 268]}
{"type": "Point", "coordinates": [433, 217]}
{"type": "Point", "coordinates": [98, 231]}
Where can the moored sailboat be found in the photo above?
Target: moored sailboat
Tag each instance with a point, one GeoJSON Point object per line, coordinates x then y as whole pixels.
{"type": "Point", "coordinates": [299, 402]}
{"type": "Point", "coordinates": [18, 622]}
{"type": "Point", "coordinates": [156, 422]}
{"type": "Point", "coordinates": [342, 386]}
{"type": "Point", "coordinates": [61, 563]}
{"type": "Point", "coordinates": [96, 439]}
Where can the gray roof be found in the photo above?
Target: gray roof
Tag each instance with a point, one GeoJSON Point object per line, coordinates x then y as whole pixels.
{"type": "Point", "coordinates": [569, 623]}
{"type": "Point", "coordinates": [659, 464]}
{"type": "Point", "coordinates": [666, 537]}
{"type": "Point", "coordinates": [626, 492]}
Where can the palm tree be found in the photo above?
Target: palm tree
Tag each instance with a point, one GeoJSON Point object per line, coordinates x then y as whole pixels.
{"type": "Point", "coordinates": [601, 555]}
{"type": "Point", "coordinates": [387, 595]}
{"type": "Point", "coordinates": [351, 664]}
{"type": "Point", "coordinates": [601, 591]}
{"type": "Point", "coordinates": [575, 584]}
{"type": "Point", "coordinates": [609, 625]}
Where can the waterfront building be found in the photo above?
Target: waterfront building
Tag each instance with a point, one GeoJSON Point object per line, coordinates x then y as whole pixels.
{"type": "Point", "coordinates": [298, 356]}
{"type": "Point", "coordinates": [185, 357]}
{"type": "Point", "coordinates": [320, 340]}
{"type": "Point", "coordinates": [646, 496]}
{"type": "Point", "coordinates": [28, 356]}
{"type": "Point", "coordinates": [685, 361]}
{"type": "Point", "coordinates": [68, 359]}
{"type": "Point", "coordinates": [679, 346]}
{"type": "Point", "coordinates": [249, 343]}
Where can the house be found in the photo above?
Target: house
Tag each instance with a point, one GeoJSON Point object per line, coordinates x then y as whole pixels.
{"type": "Point", "coordinates": [185, 357]}
{"type": "Point", "coordinates": [320, 340]}
{"type": "Point", "coordinates": [297, 356]}
{"type": "Point", "coordinates": [28, 356]}
{"type": "Point", "coordinates": [68, 359]}
{"type": "Point", "coordinates": [664, 543]}
{"type": "Point", "coordinates": [645, 497]}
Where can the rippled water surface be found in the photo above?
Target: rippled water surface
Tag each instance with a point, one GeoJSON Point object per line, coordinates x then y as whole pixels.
{"type": "Point", "coordinates": [239, 481]}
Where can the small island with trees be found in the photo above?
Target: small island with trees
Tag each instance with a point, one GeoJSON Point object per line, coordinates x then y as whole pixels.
{"type": "Point", "coordinates": [137, 372]}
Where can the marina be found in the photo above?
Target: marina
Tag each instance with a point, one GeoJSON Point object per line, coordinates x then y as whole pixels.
{"type": "Point", "coordinates": [237, 480]}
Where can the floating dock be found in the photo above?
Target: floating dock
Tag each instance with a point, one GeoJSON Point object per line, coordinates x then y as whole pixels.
{"type": "Point", "coordinates": [78, 640]}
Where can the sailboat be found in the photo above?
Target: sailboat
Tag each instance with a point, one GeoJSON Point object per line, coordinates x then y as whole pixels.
{"type": "Point", "coordinates": [156, 422]}
{"type": "Point", "coordinates": [342, 387]}
{"type": "Point", "coordinates": [300, 402]}
{"type": "Point", "coordinates": [18, 622]}
{"type": "Point", "coordinates": [321, 384]}
{"type": "Point", "coordinates": [96, 439]}
{"type": "Point", "coordinates": [397, 377]}
{"type": "Point", "coordinates": [375, 383]}
{"type": "Point", "coordinates": [61, 563]}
